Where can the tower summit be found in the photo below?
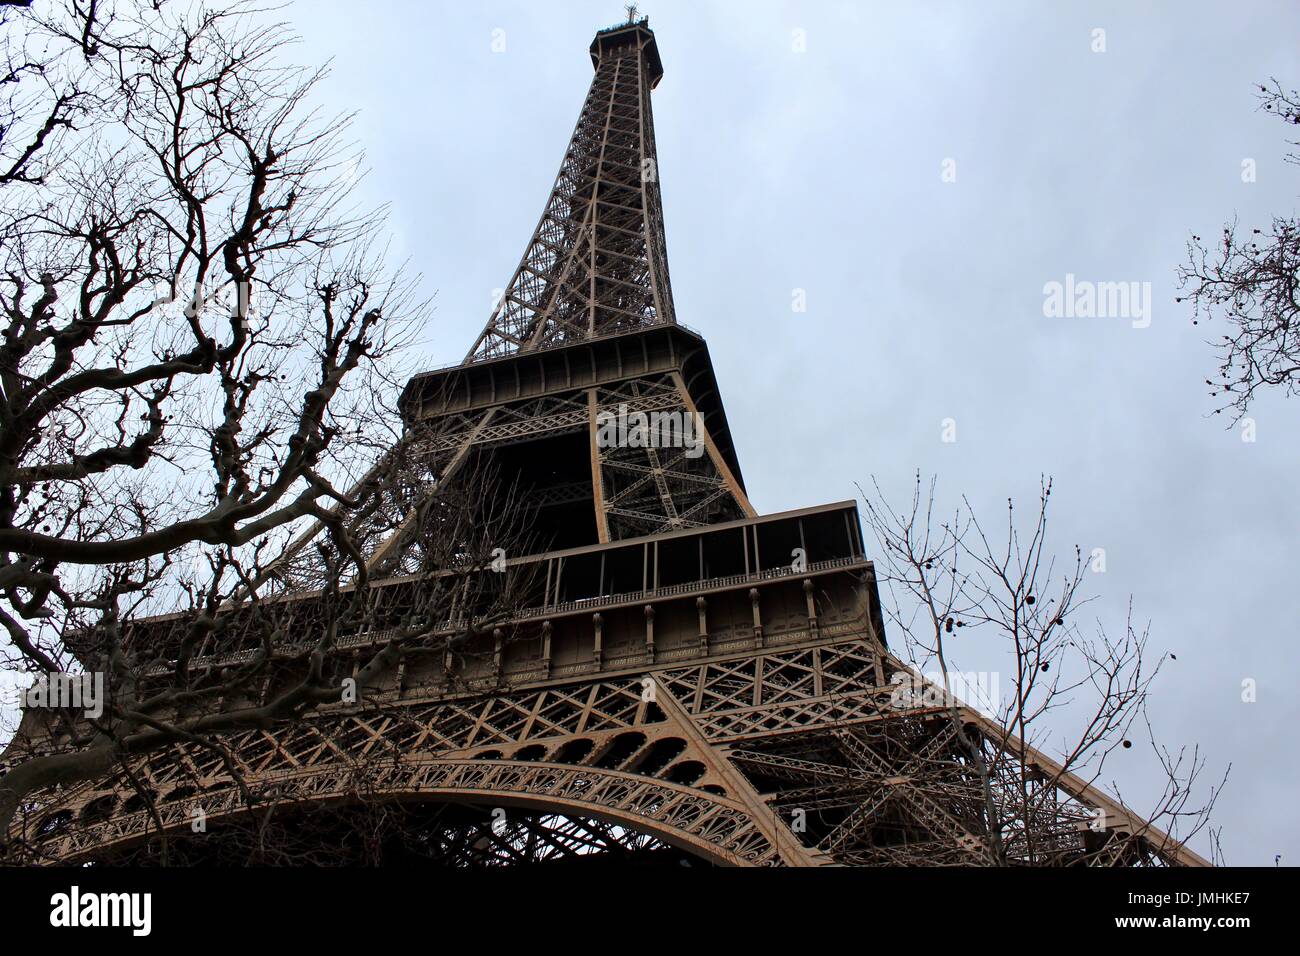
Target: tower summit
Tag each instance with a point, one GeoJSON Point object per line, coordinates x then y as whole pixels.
{"type": "Point", "coordinates": [596, 263]}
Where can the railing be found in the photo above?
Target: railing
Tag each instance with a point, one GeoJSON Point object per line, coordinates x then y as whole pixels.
{"type": "Point", "coordinates": [704, 584]}
{"type": "Point", "coordinates": [458, 625]}
{"type": "Point", "coordinates": [451, 366]}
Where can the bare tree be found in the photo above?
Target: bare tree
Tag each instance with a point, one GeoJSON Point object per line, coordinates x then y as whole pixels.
{"type": "Point", "coordinates": [232, 662]}
{"type": "Point", "coordinates": [1252, 282]}
{"type": "Point", "coordinates": [951, 586]}
{"type": "Point", "coordinates": [197, 371]}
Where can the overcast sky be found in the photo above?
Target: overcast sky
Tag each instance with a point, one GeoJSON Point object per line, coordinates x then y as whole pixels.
{"type": "Point", "coordinates": [822, 171]}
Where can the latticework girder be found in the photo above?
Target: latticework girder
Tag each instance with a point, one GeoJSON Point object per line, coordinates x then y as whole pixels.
{"type": "Point", "coordinates": [596, 263]}
{"type": "Point", "coordinates": [601, 762]}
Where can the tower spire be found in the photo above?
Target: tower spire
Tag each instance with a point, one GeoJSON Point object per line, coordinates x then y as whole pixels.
{"type": "Point", "coordinates": [596, 263]}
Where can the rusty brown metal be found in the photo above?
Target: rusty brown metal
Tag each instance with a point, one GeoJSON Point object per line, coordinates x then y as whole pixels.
{"type": "Point", "coordinates": [720, 696]}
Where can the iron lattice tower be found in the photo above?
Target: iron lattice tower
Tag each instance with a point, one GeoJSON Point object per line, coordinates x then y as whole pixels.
{"type": "Point", "coordinates": [678, 691]}
{"type": "Point", "coordinates": [596, 263]}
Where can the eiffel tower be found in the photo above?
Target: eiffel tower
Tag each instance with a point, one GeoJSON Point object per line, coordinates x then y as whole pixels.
{"type": "Point", "coordinates": [695, 683]}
